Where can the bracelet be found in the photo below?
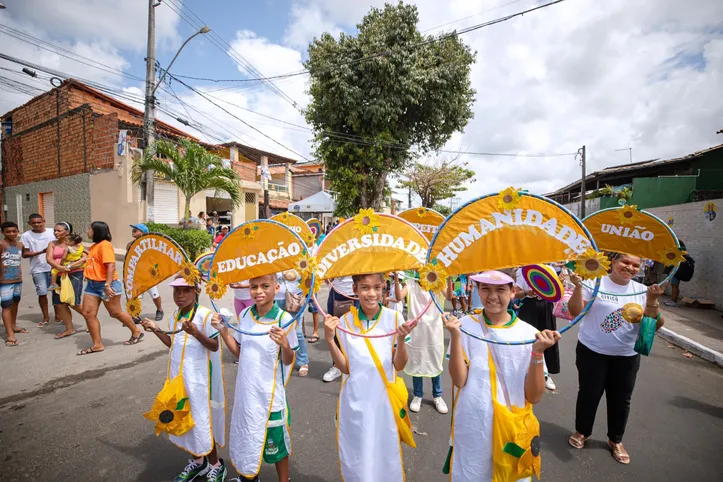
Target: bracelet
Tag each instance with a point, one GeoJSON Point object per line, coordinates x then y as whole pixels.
{"type": "Point", "coordinates": [537, 362]}
{"type": "Point", "coordinates": [652, 306]}
{"type": "Point", "coordinates": [538, 354]}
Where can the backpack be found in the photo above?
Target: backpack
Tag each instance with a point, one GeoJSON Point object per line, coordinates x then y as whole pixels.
{"type": "Point", "coordinates": [686, 269]}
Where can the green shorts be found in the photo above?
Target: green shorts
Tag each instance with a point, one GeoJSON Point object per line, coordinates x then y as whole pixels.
{"type": "Point", "coordinates": [278, 440]}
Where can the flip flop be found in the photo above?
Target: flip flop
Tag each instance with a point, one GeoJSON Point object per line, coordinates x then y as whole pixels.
{"type": "Point", "coordinates": [303, 371]}
{"type": "Point", "coordinates": [88, 351]}
{"type": "Point", "coordinates": [64, 335]}
{"type": "Point", "coordinates": [42, 324]}
{"type": "Point", "coordinates": [12, 342]}
{"type": "Point", "coordinates": [133, 340]}
{"type": "Point", "coordinates": [21, 330]}
{"type": "Point", "coordinates": [313, 339]}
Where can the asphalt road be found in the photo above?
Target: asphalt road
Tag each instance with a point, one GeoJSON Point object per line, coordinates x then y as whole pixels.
{"type": "Point", "coordinates": [64, 417]}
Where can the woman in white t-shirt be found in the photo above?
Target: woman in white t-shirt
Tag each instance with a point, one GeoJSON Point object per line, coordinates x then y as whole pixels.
{"type": "Point", "coordinates": [241, 296]}
{"type": "Point", "coordinates": [606, 357]}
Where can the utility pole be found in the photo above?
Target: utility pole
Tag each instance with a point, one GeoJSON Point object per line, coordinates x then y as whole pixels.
{"type": "Point", "coordinates": [265, 174]}
{"type": "Point", "coordinates": [410, 197]}
{"type": "Point", "coordinates": [149, 114]}
{"type": "Point", "coordinates": [583, 190]}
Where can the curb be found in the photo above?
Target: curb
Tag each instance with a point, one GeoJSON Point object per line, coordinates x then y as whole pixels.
{"type": "Point", "coordinates": [693, 347]}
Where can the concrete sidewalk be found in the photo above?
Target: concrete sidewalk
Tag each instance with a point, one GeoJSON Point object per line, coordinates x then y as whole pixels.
{"type": "Point", "coordinates": [698, 331]}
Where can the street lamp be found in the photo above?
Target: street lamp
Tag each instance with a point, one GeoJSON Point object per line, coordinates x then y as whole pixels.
{"type": "Point", "coordinates": [149, 114]}
{"type": "Point", "coordinates": [203, 30]}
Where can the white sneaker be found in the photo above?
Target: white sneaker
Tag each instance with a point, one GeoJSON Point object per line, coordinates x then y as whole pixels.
{"type": "Point", "coordinates": [440, 405]}
{"type": "Point", "coordinates": [332, 374]}
{"type": "Point", "coordinates": [549, 384]}
{"type": "Point", "coordinates": [415, 405]}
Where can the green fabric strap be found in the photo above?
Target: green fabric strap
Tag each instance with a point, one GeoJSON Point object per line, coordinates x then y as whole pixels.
{"type": "Point", "coordinates": [646, 336]}
{"type": "Point", "coordinates": [513, 449]}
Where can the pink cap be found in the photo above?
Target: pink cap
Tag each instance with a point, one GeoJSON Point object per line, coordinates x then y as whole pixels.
{"type": "Point", "coordinates": [180, 281]}
{"type": "Point", "coordinates": [492, 278]}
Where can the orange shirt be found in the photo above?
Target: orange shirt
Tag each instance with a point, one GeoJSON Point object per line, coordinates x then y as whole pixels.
{"type": "Point", "coordinates": [98, 256]}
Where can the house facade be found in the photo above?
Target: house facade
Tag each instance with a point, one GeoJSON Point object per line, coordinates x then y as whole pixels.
{"type": "Point", "coordinates": [67, 154]}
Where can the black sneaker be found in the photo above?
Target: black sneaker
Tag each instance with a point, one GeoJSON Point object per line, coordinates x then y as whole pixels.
{"type": "Point", "coordinates": [244, 479]}
{"type": "Point", "coordinates": [193, 470]}
{"type": "Point", "coordinates": [217, 473]}
{"type": "Point", "coordinates": [159, 315]}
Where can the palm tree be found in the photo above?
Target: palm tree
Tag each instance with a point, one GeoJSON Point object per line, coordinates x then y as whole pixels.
{"type": "Point", "coordinates": [190, 167]}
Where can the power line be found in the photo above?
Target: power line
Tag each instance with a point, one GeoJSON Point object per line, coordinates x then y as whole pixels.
{"type": "Point", "coordinates": [386, 52]}
{"type": "Point", "coordinates": [471, 16]}
{"type": "Point", "coordinates": [219, 42]}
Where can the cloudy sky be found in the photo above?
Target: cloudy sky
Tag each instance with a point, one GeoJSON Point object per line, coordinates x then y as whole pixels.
{"type": "Point", "coordinates": [610, 75]}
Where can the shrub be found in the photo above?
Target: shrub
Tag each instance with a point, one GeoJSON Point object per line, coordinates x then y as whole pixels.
{"type": "Point", "coordinates": [193, 241]}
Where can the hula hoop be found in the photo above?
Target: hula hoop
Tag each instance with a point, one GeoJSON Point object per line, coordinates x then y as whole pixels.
{"type": "Point", "coordinates": [364, 335]}
{"type": "Point", "coordinates": [353, 298]}
{"type": "Point", "coordinates": [572, 323]}
{"type": "Point", "coordinates": [308, 297]}
{"type": "Point", "coordinates": [670, 275]}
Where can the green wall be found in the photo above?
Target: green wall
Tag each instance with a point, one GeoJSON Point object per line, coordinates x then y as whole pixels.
{"type": "Point", "coordinates": [711, 172]}
{"type": "Point", "coordinates": [650, 192]}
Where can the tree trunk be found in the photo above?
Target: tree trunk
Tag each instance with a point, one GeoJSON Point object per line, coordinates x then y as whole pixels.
{"type": "Point", "coordinates": [187, 212]}
{"type": "Point", "coordinates": [378, 193]}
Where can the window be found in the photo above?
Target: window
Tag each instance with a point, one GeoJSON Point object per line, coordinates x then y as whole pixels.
{"type": "Point", "coordinates": [250, 197]}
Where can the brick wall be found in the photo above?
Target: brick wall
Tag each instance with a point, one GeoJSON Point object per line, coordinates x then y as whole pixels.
{"type": "Point", "coordinates": [72, 200]}
{"type": "Point", "coordinates": [703, 240]}
{"type": "Point", "coordinates": [40, 109]}
{"type": "Point", "coordinates": [246, 170]}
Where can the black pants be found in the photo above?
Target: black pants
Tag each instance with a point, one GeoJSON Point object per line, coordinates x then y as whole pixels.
{"type": "Point", "coordinates": [614, 375]}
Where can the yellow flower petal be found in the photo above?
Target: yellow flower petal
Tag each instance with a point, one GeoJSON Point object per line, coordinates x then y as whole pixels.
{"type": "Point", "coordinates": [671, 256]}
{"type": "Point", "coordinates": [508, 198]}
{"type": "Point", "coordinates": [628, 214]}
{"type": "Point", "coordinates": [432, 278]}
{"type": "Point", "coordinates": [592, 265]}
{"type": "Point", "coordinates": [366, 221]}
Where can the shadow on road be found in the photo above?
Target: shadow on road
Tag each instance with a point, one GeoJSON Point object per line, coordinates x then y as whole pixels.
{"type": "Point", "coordinates": [162, 461]}
{"type": "Point", "coordinates": [689, 404]}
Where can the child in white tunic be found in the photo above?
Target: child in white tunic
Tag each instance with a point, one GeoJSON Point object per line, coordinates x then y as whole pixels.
{"type": "Point", "coordinates": [197, 350]}
{"type": "Point", "coordinates": [520, 366]}
{"type": "Point", "coordinates": [260, 419]}
{"type": "Point", "coordinates": [368, 440]}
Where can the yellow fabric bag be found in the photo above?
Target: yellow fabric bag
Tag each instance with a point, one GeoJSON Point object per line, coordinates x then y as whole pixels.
{"type": "Point", "coordinates": [515, 437]}
{"type": "Point", "coordinates": [398, 396]}
{"type": "Point", "coordinates": [172, 408]}
{"type": "Point", "coordinates": [67, 293]}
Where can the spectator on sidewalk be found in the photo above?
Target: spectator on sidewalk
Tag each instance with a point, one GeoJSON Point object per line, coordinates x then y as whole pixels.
{"type": "Point", "coordinates": [222, 234]}
{"type": "Point", "coordinates": [35, 243]}
{"type": "Point", "coordinates": [11, 281]}
{"type": "Point", "coordinates": [292, 281]}
{"type": "Point", "coordinates": [685, 273]}
{"type": "Point", "coordinates": [103, 285]}
{"type": "Point", "coordinates": [53, 255]}
{"type": "Point", "coordinates": [139, 230]}
{"type": "Point", "coordinates": [606, 358]}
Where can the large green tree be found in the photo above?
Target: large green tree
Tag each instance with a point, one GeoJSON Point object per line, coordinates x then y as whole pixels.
{"type": "Point", "coordinates": [190, 167]}
{"type": "Point", "coordinates": [382, 97]}
{"type": "Point", "coordinates": [436, 181]}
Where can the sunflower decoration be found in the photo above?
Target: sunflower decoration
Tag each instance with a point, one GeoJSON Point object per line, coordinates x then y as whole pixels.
{"type": "Point", "coordinates": [628, 214]}
{"type": "Point", "coordinates": [215, 287]}
{"type": "Point", "coordinates": [592, 264]}
{"type": "Point", "coordinates": [249, 231]}
{"type": "Point", "coordinates": [154, 272]}
{"type": "Point", "coordinates": [284, 217]}
{"type": "Point", "coordinates": [134, 307]}
{"type": "Point", "coordinates": [432, 277]}
{"type": "Point", "coordinates": [422, 211]}
{"type": "Point", "coordinates": [190, 273]}
{"type": "Point", "coordinates": [307, 286]}
{"type": "Point", "coordinates": [171, 409]}
{"type": "Point", "coordinates": [671, 256]}
{"type": "Point", "coordinates": [310, 239]}
{"type": "Point", "coordinates": [509, 198]}
{"type": "Point", "coordinates": [528, 462]}
{"type": "Point", "coordinates": [306, 264]}
{"type": "Point", "coordinates": [367, 221]}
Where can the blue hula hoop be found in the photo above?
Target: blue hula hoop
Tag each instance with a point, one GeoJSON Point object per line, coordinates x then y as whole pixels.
{"type": "Point", "coordinates": [572, 323]}
{"type": "Point", "coordinates": [308, 297]}
{"type": "Point", "coordinates": [672, 233]}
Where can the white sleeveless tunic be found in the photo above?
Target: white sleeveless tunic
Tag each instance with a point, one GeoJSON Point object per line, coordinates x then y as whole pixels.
{"type": "Point", "coordinates": [426, 345]}
{"type": "Point", "coordinates": [260, 390]}
{"type": "Point", "coordinates": [203, 381]}
{"type": "Point", "coordinates": [472, 415]}
{"type": "Point", "coordinates": [367, 437]}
